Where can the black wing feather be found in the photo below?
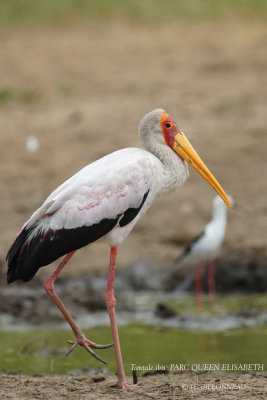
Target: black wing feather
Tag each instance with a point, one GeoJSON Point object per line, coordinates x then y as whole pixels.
{"type": "Point", "coordinates": [27, 255]}
{"type": "Point", "coordinates": [131, 213]}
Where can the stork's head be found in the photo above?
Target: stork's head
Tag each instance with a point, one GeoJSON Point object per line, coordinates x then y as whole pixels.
{"type": "Point", "coordinates": [158, 126]}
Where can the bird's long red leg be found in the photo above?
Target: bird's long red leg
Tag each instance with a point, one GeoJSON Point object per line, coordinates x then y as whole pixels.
{"type": "Point", "coordinates": [111, 302]}
{"type": "Point", "coordinates": [198, 285]}
{"type": "Point", "coordinates": [211, 284]}
{"type": "Point", "coordinates": [80, 337]}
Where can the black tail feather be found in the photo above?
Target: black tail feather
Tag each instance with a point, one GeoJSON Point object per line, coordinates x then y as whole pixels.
{"type": "Point", "coordinates": [28, 254]}
{"type": "Point", "coordinates": [35, 248]}
{"type": "Point", "coordinates": [13, 255]}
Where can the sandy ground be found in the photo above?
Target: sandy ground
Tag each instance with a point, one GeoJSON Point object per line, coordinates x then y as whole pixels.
{"type": "Point", "coordinates": [90, 86]}
{"type": "Point", "coordinates": [160, 386]}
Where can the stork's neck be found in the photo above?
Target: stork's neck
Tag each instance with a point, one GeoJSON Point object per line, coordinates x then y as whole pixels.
{"type": "Point", "coordinates": [174, 170]}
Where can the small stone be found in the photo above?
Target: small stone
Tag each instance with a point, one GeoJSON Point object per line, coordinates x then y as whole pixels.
{"type": "Point", "coordinates": [98, 378]}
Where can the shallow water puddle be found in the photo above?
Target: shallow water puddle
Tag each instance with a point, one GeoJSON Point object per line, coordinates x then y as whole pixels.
{"type": "Point", "coordinates": [43, 351]}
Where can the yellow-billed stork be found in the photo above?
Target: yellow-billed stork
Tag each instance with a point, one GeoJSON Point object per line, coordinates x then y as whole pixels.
{"type": "Point", "coordinates": [105, 200]}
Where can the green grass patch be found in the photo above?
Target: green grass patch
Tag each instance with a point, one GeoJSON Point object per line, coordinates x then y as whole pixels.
{"type": "Point", "coordinates": [225, 303]}
{"type": "Point", "coordinates": [24, 12]}
{"type": "Point", "coordinates": [24, 96]}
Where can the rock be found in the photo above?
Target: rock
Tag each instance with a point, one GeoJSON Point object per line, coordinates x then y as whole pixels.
{"type": "Point", "coordinates": [165, 311]}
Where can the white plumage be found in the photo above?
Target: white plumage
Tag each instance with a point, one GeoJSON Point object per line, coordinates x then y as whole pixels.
{"type": "Point", "coordinates": [103, 189]}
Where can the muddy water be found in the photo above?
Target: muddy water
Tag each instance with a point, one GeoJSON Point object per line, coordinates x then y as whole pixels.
{"type": "Point", "coordinates": [235, 334]}
{"type": "Point", "coordinates": [43, 351]}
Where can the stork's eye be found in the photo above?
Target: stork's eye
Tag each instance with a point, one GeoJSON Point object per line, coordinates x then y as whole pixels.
{"type": "Point", "coordinates": [168, 125]}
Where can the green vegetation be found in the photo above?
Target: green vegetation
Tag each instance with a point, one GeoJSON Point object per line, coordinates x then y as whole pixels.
{"type": "Point", "coordinates": [43, 351]}
{"type": "Point", "coordinates": [26, 96]}
{"type": "Point", "coordinates": [24, 12]}
{"type": "Point", "coordinates": [225, 303]}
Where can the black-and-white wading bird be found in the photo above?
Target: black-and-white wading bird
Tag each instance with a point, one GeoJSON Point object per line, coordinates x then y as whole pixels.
{"type": "Point", "coordinates": [204, 248]}
{"type": "Point", "coordinates": [105, 200]}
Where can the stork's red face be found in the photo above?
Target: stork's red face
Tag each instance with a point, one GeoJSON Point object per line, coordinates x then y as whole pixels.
{"type": "Point", "coordinates": [169, 129]}
{"type": "Point", "coordinates": [181, 145]}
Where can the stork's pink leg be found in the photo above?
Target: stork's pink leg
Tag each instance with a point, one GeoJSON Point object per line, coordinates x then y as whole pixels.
{"type": "Point", "coordinates": [111, 302]}
{"type": "Point", "coordinates": [211, 284]}
{"type": "Point", "coordinates": [198, 285]}
{"type": "Point", "coordinates": [80, 337]}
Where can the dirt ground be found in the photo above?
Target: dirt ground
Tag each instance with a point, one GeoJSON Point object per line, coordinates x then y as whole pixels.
{"type": "Point", "coordinates": [160, 386]}
{"type": "Point", "coordinates": [81, 91]}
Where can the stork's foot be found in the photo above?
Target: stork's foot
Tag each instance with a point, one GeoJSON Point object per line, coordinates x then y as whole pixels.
{"type": "Point", "coordinates": [87, 344]}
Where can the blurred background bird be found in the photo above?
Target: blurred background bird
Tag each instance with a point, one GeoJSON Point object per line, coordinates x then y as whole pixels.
{"type": "Point", "coordinates": [204, 248]}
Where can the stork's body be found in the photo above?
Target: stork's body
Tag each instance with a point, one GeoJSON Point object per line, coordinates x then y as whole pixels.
{"type": "Point", "coordinates": [204, 249]}
{"type": "Point", "coordinates": [105, 200]}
